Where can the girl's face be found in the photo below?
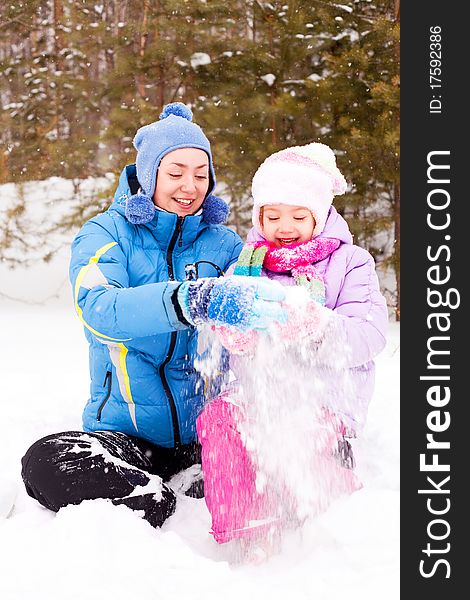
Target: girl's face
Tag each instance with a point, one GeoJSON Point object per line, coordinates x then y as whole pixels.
{"type": "Point", "coordinates": [182, 181]}
{"type": "Point", "coordinates": [285, 225]}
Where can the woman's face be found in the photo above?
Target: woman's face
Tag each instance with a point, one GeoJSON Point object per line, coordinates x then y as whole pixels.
{"type": "Point", "coordinates": [182, 181]}
{"type": "Point", "coordinates": [286, 225]}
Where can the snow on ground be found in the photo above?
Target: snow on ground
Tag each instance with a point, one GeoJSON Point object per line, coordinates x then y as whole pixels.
{"type": "Point", "coordinates": [107, 552]}
{"type": "Point", "coordinates": [102, 552]}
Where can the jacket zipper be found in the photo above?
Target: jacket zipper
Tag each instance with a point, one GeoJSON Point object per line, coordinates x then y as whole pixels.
{"type": "Point", "coordinates": [171, 246]}
{"type": "Point", "coordinates": [171, 349]}
{"type": "Point", "coordinates": [107, 381]}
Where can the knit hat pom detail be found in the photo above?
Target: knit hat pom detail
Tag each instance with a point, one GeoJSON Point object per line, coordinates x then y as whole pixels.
{"type": "Point", "coordinates": [178, 109]}
{"type": "Point", "coordinates": [140, 209]}
{"type": "Point", "coordinates": [214, 210]}
{"type": "Point", "coordinates": [175, 130]}
{"type": "Point", "coordinates": [324, 157]}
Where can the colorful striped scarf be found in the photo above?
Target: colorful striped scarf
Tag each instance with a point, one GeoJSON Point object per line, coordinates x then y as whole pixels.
{"type": "Point", "coordinates": [297, 259]}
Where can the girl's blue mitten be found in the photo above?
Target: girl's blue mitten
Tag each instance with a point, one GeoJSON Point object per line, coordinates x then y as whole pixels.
{"type": "Point", "coordinates": [238, 301]}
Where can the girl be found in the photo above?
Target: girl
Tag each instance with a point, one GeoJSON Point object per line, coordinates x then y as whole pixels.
{"type": "Point", "coordinates": [329, 342]}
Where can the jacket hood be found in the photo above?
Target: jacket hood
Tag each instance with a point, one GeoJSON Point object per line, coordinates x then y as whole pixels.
{"type": "Point", "coordinates": [127, 178]}
{"type": "Point", "coordinates": [335, 227]}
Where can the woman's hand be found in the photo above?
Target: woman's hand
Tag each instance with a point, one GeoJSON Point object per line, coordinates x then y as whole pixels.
{"type": "Point", "coordinates": [242, 302]}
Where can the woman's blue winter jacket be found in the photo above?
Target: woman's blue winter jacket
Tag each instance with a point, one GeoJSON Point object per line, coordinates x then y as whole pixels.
{"type": "Point", "coordinates": [143, 380]}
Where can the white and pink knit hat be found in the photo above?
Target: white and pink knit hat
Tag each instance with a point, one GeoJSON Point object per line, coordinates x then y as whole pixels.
{"type": "Point", "coordinates": [299, 176]}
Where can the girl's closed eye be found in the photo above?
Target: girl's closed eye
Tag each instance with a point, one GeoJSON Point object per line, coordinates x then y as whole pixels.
{"type": "Point", "coordinates": [299, 218]}
{"type": "Point", "coordinates": [175, 174]}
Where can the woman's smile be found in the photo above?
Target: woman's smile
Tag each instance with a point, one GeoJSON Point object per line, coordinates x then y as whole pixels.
{"type": "Point", "coordinates": [184, 202]}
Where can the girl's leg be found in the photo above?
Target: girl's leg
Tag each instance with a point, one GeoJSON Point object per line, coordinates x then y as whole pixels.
{"type": "Point", "coordinates": [333, 462]}
{"type": "Point", "coordinates": [67, 468]}
{"type": "Point", "coordinates": [237, 508]}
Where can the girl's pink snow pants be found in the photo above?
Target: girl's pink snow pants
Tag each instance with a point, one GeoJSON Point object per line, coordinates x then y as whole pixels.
{"type": "Point", "coordinates": [237, 508]}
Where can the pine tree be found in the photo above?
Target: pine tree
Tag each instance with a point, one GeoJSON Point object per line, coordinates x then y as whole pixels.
{"type": "Point", "coordinates": [358, 89]}
{"type": "Point", "coordinates": [79, 78]}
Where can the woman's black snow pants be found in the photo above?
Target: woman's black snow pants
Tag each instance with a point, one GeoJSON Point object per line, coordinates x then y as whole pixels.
{"type": "Point", "coordinates": [69, 467]}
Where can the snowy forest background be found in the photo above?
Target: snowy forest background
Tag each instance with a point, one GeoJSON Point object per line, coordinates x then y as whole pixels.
{"type": "Point", "coordinates": [79, 77]}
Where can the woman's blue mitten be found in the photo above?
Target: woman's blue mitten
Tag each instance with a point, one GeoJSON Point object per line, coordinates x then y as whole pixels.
{"type": "Point", "coordinates": [238, 301]}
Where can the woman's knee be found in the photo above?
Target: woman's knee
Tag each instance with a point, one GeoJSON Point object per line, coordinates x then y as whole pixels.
{"type": "Point", "coordinates": [67, 468]}
{"type": "Point", "coordinates": [56, 473]}
{"type": "Point", "coordinates": [40, 470]}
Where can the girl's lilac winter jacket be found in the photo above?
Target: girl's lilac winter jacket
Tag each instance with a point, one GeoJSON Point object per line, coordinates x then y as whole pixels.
{"type": "Point", "coordinates": [356, 330]}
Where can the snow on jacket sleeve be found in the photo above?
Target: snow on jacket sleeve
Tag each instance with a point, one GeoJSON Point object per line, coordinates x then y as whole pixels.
{"type": "Point", "coordinates": [357, 328]}
{"type": "Point", "coordinates": [104, 302]}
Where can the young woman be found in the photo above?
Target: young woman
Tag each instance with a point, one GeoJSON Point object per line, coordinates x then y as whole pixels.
{"type": "Point", "coordinates": [127, 269]}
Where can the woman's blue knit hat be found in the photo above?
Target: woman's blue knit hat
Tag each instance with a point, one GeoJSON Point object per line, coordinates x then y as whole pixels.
{"type": "Point", "coordinates": [174, 130]}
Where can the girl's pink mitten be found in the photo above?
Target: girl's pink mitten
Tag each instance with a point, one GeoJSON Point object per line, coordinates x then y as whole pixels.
{"type": "Point", "coordinates": [307, 322]}
{"type": "Point", "coordinates": [236, 342]}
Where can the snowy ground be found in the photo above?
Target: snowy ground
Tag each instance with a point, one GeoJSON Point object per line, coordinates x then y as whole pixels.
{"type": "Point", "coordinates": [101, 552]}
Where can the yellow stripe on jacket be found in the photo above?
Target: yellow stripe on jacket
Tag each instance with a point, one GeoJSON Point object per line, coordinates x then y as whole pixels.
{"type": "Point", "coordinates": [118, 355]}
{"type": "Point", "coordinates": [79, 283]}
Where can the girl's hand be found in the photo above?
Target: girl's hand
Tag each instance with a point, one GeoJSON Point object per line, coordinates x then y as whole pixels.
{"type": "Point", "coordinates": [237, 342]}
{"type": "Point", "coordinates": [307, 322]}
